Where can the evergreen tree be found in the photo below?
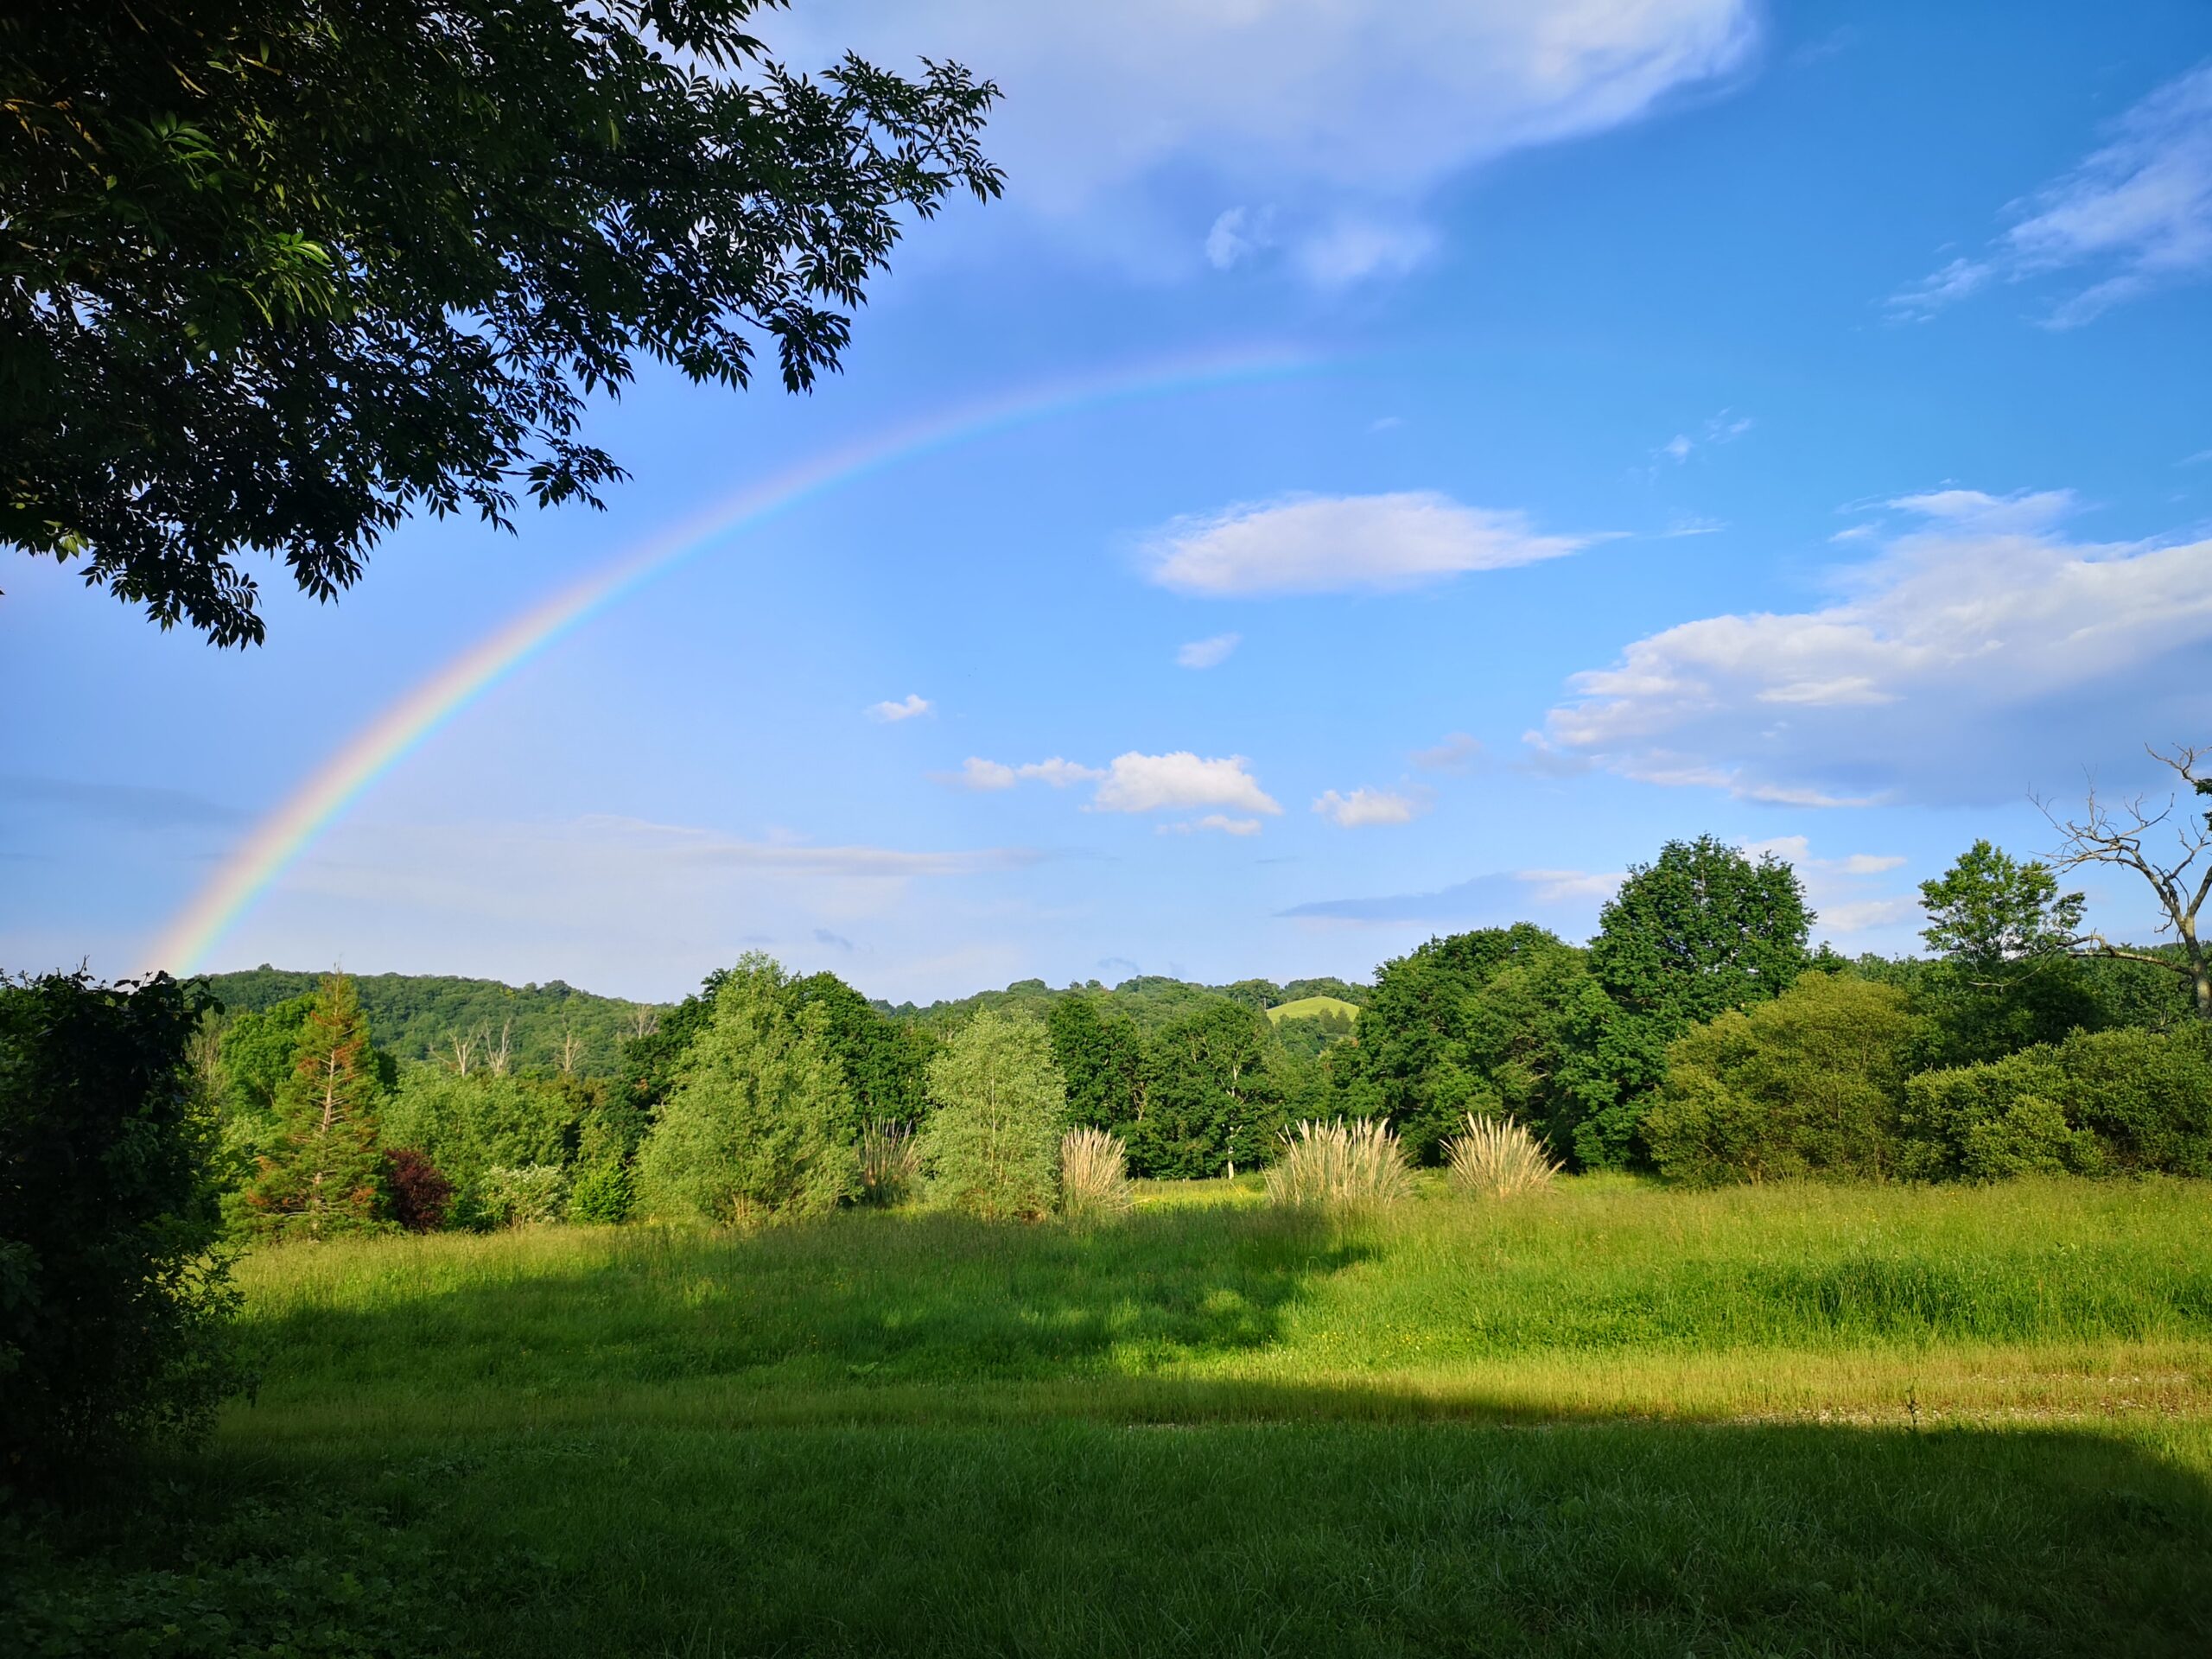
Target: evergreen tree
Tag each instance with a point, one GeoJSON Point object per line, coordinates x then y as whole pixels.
{"type": "Point", "coordinates": [760, 1118]}
{"type": "Point", "coordinates": [992, 1145]}
{"type": "Point", "coordinates": [326, 1175]}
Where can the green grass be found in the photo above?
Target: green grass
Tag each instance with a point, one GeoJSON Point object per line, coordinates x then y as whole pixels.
{"type": "Point", "coordinates": [1312, 1008]}
{"type": "Point", "coordinates": [1609, 1420]}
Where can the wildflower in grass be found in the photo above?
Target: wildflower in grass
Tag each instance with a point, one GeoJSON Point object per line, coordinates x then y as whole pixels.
{"type": "Point", "coordinates": [1498, 1158]}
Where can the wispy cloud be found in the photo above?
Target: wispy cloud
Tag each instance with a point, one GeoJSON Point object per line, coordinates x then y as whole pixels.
{"type": "Point", "coordinates": [1208, 653]}
{"type": "Point", "coordinates": [1326, 544]}
{"type": "Point", "coordinates": [1364, 807]}
{"type": "Point", "coordinates": [135, 805]}
{"type": "Point", "coordinates": [1347, 117]}
{"type": "Point", "coordinates": [1481, 901]}
{"type": "Point", "coordinates": [1221, 823]}
{"type": "Point", "coordinates": [1725, 427]}
{"type": "Point", "coordinates": [2136, 214]}
{"type": "Point", "coordinates": [1458, 753]}
{"type": "Point", "coordinates": [905, 708]}
{"type": "Point", "coordinates": [1979, 650]}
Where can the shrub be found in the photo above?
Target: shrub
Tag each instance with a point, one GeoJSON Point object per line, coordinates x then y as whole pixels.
{"type": "Point", "coordinates": [891, 1163]}
{"type": "Point", "coordinates": [419, 1195]}
{"type": "Point", "coordinates": [1094, 1175]}
{"type": "Point", "coordinates": [1340, 1166]}
{"type": "Point", "coordinates": [1496, 1158]}
{"type": "Point", "coordinates": [524, 1196]}
{"type": "Point", "coordinates": [991, 1145]}
{"type": "Point", "coordinates": [114, 1304]}
{"type": "Point", "coordinates": [1808, 1084]}
{"type": "Point", "coordinates": [761, 1119]}
{"type": "Point", "coordinates": [2124, 1100]}
{"type": "Point", "coordinates": [601, 1193]}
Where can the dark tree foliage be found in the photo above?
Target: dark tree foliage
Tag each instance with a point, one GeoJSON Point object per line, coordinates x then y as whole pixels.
{"type": "Point", "coordinates": [1500, 1019]}
{"type": "Point", "coordinates": [1309, 1036]}
{"type": "Point", "coordinates": [280, 271]}
{"type": "Point", "coordinates": [886, 1062]}
{"type": "Point", "coordinates": [419, 1196]}
{"type": "Point", "coordinates": [1102, 1057]}
{"type": "Point", "coordinates": [651, 1064]}
{"type": "Point", "coordinates": [416, 1016]}
{"type": "Point", "coordinates": [1213, 1092]}
{"type": "Point", "coordinates": [113, 1305]}
{"type": "Point", "coordinates": [1701, 931]}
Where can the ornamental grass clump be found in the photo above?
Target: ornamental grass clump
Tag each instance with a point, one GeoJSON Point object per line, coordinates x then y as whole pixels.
{"type": "Point", "coordinates": [1340, 1166]}
{"type": "Point", "coordinates": [1094, 1175]}
{"type": "Point", "coordinates": [1498, 1158]}
{"type": "Point", "coordinates": [891, 1163]}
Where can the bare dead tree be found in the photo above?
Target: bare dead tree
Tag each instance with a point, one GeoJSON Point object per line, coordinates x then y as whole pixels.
{"type": "Point", "coordinates": [644, 1019]}
{"type": "Point", "coordinates": [2121, 834]}
{"type": "Point", "coordinates": [572, 1049]}
{"type": "Point", "coordinates": [496, 1059]}
{"type": "Point", "coordinates": [464, 1050]}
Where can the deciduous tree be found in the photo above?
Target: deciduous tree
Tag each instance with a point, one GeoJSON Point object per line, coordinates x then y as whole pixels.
{"type": "Point", "coordinates": [281, 271]}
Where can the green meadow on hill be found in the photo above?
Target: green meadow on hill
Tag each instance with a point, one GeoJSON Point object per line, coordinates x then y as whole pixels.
{"type": "Point", "coordinates": [1607, 1419]}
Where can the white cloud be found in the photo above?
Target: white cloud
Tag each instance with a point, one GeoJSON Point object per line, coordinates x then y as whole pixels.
{"type": "Point", "coordinates": [1457, 753]}
{"type": "Point", "coordinates": [1322, 545]}
{"type": "Point", "coordinates": [1059, 773]}
{"type": "Point", "coordinates": [1136, 783]}
{"type": "Point", "coordinates": [1208, 653]}
{"type": "Point", "coordinates": [1365, 806]}
{"type": "Point", "coordinates": [1979, 652]}
{"type": "Point", "coordinates": [906, 708]}
{"type": "Point", "coordinates": [1148, 783]}
{"type": "Point", "coordinates": [1348, 117]}
{"type": "Point", "coordinates": [975, 772]}
{"type": "Point", "coordinates": [2138, 211]}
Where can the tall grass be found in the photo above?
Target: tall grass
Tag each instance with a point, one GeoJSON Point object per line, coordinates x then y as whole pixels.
{"type": "Point", "coordinates": [1498, 1158]}
{"type": "Point", "coordinates": [891, 1163]}
{"type": "Point", "coordinates": [1094, 1175]}
{"type": "Point", "coordinates": [1340, 1166]}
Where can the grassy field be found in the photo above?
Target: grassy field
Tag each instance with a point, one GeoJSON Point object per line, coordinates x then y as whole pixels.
{"type": "Point", "coordinates": [1311, 1007]}
{"type": "Point", "coordinates": [1610, 1420]}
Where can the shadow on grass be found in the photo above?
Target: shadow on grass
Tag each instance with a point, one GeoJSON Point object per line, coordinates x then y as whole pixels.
{"type": "Point", "coordinates": [1321, 1536]}
{"type": "Point", "coordinates": [862, 1299]}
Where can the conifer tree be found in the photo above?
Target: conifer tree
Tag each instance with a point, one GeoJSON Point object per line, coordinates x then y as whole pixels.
{"type": "Point", "coordinates": [326, 1175]}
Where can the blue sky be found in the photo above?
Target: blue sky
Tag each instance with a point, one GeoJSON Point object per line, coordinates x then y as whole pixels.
{"type": "Point", "coordinates": [1788, 422]}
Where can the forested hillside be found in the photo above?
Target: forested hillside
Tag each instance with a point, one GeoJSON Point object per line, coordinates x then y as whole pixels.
{"type": "Point", "coordinates": [551, 1027]}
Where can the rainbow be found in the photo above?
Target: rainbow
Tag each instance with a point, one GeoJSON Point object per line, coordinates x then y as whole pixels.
{"type": "Point", "coordinates": [278, 840]}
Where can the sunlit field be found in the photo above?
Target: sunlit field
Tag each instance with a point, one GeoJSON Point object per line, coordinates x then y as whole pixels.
{"type": "Point", "coordinates": [1611, 1419]}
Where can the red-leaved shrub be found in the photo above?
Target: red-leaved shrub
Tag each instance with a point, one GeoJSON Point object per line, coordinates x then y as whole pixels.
{"type": "Point", "coordinates": [419, 1194]}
